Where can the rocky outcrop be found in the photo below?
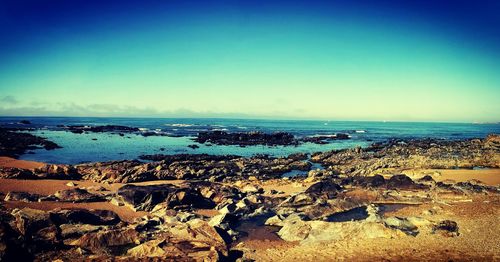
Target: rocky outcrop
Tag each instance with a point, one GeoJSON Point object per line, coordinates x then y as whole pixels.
{"type": "Point", "coordinates": [100, 129]}
{"type": "Point", "coordinates": [16, 173]}
{"type": "Point", "coordinates": [14, 144]}
{"type": "Point", "coordinates": [408, 154]}
{"type": "Point", "coordinates": [246, 139]}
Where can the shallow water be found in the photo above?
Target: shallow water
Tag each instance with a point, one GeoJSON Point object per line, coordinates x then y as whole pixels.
{"type": "Point", "coordinates": [107, 146]}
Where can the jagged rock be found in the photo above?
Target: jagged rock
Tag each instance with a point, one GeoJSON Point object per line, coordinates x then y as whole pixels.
{"type": "Point", "coordinates": [147, 197]}
{"type": "Point", "coordinates": [50, 171]}
{"type": "Point", "coordinates": [13, 246]}
{"type": "Point", "coordinates": [77, 230]}
{"type": "Point", "coordinates": [16, 173]}
{"type": "Point", "coordinates": [77, 195]}
{"type": "Point", "coordinates": [410, 154]}
{"type": "Point", "coordinates": [155, 248]}
{"type": "Point", "coordinates": [84, 216]}
{"type": "Point", "coordinates": [38, 230]}
{"type": "Point", "coordinates": [21, 196]}
{"type": "Point", "coordinates": [101, 241]}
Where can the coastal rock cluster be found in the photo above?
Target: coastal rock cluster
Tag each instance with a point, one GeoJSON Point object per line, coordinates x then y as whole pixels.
{"type": "Point", "coordinates": [173, 229]}
{"type": "Point", "coordinates": [260, 138]}
{"type": "Point", "coordinates": [14, 144]}
{"type": "Point", "coordinates": [423, 154]}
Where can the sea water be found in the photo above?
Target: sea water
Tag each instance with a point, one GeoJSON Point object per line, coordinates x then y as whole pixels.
{"type": "Point", "coordinates": [177, 134]}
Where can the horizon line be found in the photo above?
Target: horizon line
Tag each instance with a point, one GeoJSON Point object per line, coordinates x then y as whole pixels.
{"type": "Point", "coordinates": [277, 118]}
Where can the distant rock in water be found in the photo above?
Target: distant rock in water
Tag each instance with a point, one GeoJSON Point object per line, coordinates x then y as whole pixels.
{"type": "Point", "coordinates": [14, 144]}
{"type": "Point", "coordinates": [25, 122]}
{"type": "Point", "coordinates": [246, 138]}
{"type": "Point", "coordinates": [325, 139]}
{"type": "Point", "coordinates": [100, 129]}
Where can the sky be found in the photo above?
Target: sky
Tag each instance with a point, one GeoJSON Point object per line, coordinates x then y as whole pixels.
{"type": "Point", "coordinates": [335, 60]}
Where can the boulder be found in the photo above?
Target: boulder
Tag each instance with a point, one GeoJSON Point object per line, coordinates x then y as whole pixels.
{"type": "Point", "coordinates": [446, 228]}
{"type": "Point", "coordinates": [147, 197]}
{"type": "Point", "coordinates": [324, 190]}
{"type": "Point", "coordinates": [77, 195]}
{"type": "Point", "coordinates": [315, 232]}
{"type": "Point", "coordinates": [402, 182]}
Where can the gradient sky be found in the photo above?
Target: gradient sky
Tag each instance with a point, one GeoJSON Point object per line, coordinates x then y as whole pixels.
{"type": "Point", "coordinates": [362, 60]}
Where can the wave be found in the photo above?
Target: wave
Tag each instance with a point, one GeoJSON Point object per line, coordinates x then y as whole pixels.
{"type": "Point", "coordinates": [180, 125]}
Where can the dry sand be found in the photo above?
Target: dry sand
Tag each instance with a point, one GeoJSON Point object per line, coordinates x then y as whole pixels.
{"type": "Point", "coordinates": [12, 162]}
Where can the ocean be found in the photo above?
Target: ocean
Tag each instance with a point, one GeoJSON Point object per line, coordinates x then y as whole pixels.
{"type": "Point", "coordinates": [177, 134]}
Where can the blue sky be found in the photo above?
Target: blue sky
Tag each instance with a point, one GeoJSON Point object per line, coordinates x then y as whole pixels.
{"type": "Point", "coordinates": [424, 61]}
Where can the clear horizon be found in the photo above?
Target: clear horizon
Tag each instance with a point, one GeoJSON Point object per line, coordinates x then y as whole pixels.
{"type": "Point", "coordinates": [424, 62]}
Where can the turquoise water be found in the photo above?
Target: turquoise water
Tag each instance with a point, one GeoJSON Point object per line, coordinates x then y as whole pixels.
{"type": "Point", "coordinates": [178, 134]}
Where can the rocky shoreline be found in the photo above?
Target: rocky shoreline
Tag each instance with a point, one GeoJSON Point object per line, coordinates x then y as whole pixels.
{"type": "Point", "coordinates": [193, 207]}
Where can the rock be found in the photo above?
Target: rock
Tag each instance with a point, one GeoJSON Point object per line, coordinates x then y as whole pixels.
{"type": "Point", "coordinates": [83, 216]}
{"type": "Point", "coordinates": [274, 221]}
{"type": "Point", "coordinates": [375, 181]}
{"type": "Point", "coordinates": [147, 197]}
{"type": "Point", "coordinates": [71, 184]}
{"type": "Point", "coordinates": [294, 229]}
{"type": "Point", "coordinates": [245, 139]}
{"type": "Point", "coordinates": [325, 139]}
{"type": "Point", "coordinates": [38, 230]}
{"type": "Point", "coordinates": [77, 230]}
{"type": "Point", "coordinates": [199, 231]}
{"type": "Point", "coordinates": [154, 248]}
{"type": "Point", "coordinates": [315, 232]}
{"type": "Point", "coordinates": [402, 182]}
{"type": "Point", "coordinates": [50, 171]}
{"type": "Point", "coordinates": [446, 228]}
{"type": "Point", "coordinates": [412, 154]}
{"type": "Point", "coordinates": [16, 173]}
{"type": "Point", "coordinates": [77, 195]}
{"type": "Point", "coordinates": [14, 144]}
{"type": "Point", "coordinates": [402, 224]}
{"type": "Point", "coordinates": [21, 196]}
{"type": "Point", "coordinates": [117, 202]}
{"type": "Point", "coordinates": [324, 189]}
{"type": "Point", "coordinates": [78, 129]}
{"type": "Point", "coordinates": [193, 146]}
{"type": "Point", "coordinates": [100, 241]}
{"type": "Point", "coordinates": [251, 189]}
{"type": "Point", "coordinates": [13, 246]}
